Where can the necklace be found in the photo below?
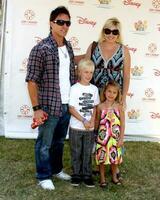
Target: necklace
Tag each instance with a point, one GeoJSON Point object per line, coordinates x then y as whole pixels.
{"type": "Point", "coordinates": [112, 104]}
{"type": "Point", "coordinates": [64, 53]}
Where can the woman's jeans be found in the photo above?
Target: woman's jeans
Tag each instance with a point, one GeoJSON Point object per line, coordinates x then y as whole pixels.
{"type": "Point", "coordinates": [81, 143]}
{"type": "Point", "coordinates": [49, 145]}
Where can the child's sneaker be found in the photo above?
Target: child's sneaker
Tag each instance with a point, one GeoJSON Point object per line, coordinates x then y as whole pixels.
{"type": "Point", "coordinates": [89, 183]}
{"type": "Point", "coordinates": [75, 181]}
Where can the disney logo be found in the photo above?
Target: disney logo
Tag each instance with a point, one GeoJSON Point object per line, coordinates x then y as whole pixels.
{"type": "Point", "coordinates": [132, 3]}
{"type": "Point", "coordinates": [155, 115]}
{"type": "Point", "coordinates": [82, 20]}
{"type": "Point", "coordinates": [156, 72]}
{"type": "Point", "coordinates": [131, 48]}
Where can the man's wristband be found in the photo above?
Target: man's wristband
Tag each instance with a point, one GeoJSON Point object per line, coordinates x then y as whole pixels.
{"type": "Point", "coordinates": [37, 107]}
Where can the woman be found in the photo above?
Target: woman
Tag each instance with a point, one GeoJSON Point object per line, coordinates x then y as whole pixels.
{"type": "Point", "coordinates": [111, 58]}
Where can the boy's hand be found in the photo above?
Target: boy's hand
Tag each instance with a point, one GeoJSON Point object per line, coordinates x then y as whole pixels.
{"type": "Point", "coordinates": [86, 125]}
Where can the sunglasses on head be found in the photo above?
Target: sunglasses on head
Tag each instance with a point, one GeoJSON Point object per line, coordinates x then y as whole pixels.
{"type": "Point", "coordinates": [108, 31]}
{"type": "Point", "coordinates": [61, 22]}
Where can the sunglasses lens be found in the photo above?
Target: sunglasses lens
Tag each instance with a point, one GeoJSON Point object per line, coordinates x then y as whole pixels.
{"type": "Point", "coordinates": [107, 31]}
{"type": "Point", "coordinates": [115, 32]}
{"type": "Point", "coordinates": [68, 23]}
{"type": "Point", "coordinates": [62, 22]}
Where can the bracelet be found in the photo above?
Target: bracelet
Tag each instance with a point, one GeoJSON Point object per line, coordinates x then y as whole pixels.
{"type": "Point", "coordinates": [37, 107]}
{"type": "Point", "coordinates": [84, 120]}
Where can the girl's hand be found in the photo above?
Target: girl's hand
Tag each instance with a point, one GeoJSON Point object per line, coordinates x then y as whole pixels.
{"type": "Point", "coordinates": [86, 124]}
{"type": "Point", "coordinates": [124, 104]}
{"type": "Point", "coordinates": [91, 124]}
{"type": "Point", "coordinates": [120, 143]}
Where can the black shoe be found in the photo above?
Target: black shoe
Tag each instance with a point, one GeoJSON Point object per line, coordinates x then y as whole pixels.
{"type": "Point", "coordinates": [75, 181]}
{"type": "Point", "coordinates": [89, 183]}
{"type": "Point", "coordinates": [95, 172]}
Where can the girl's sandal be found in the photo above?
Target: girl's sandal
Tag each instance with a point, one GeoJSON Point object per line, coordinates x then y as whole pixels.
{"type": "Point", "coordinates": [103, 185]}
{"type": "Point", "coordinates": [119, 177]}
{"type": "Point", "coordinates": [116, 182]}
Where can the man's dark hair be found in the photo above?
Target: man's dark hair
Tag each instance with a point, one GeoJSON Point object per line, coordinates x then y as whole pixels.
{"type": "Point", "coordinates": [57, 11]}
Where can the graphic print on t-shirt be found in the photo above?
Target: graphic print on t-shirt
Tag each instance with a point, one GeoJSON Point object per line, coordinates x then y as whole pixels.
{"type": "Point", "coordinates": [86, 103]}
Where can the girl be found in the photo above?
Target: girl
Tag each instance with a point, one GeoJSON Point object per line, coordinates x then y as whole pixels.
{"type": "Point", "coordinates": [111, 123]}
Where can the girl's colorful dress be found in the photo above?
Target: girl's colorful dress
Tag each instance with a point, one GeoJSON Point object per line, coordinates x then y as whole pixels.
{"type": "Point", "coordinates": [107, 151]}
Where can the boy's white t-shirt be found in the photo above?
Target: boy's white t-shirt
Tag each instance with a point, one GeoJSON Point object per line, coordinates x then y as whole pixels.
{"type": "Point", "coordinates": [83, 98]}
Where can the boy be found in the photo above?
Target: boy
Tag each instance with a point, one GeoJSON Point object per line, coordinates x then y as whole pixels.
{"type": "Point", "coordinates": [82, 105]}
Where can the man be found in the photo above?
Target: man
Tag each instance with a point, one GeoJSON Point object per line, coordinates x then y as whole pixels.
{"type": "Point", "coordinates": [50, 74]}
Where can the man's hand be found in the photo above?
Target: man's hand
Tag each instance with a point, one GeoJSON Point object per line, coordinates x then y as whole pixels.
{"type": "Point", "coordinates": [39, 118]}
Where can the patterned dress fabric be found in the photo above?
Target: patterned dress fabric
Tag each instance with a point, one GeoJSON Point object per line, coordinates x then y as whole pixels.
{"type": "Point", "coordinates": [107, 151]}
{"type": "Point", "coordinates": [107, 70]}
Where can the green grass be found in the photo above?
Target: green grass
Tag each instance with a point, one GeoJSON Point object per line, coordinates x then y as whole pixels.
{"type": "Point", "coordinates": [140, 169]}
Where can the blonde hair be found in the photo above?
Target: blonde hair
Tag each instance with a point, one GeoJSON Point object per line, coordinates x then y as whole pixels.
{"type": "Point", "coordinates": [114, 84]}
{"type": "Point", "coordinates": [85, 64]}
{"type": "Point", "coordinates": [108, 24]}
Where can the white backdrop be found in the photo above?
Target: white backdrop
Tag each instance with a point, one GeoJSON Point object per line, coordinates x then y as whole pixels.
{"type": "Point", "coordinates": [27, 22]}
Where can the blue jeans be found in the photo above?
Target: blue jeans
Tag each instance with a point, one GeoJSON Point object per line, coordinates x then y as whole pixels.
{"type": "Point", "coordinates": [49, 145]}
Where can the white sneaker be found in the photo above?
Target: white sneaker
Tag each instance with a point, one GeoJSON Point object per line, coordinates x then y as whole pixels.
{"type": "Point", "coordinates": [46, 184]}
{"type": "Point", "coordinates": [63, 176]}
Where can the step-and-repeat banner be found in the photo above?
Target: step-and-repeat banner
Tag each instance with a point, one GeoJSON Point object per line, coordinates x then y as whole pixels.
{"type": "Point", "coordinates": [27, 22]}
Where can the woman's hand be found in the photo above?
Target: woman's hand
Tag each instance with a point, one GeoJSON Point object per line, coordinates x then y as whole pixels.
{"type": "Point", "coordinates": [123, 103]}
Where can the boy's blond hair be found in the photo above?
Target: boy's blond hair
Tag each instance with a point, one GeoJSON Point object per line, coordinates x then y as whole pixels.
{"type": "Point", "coordinates": [85, 64]}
